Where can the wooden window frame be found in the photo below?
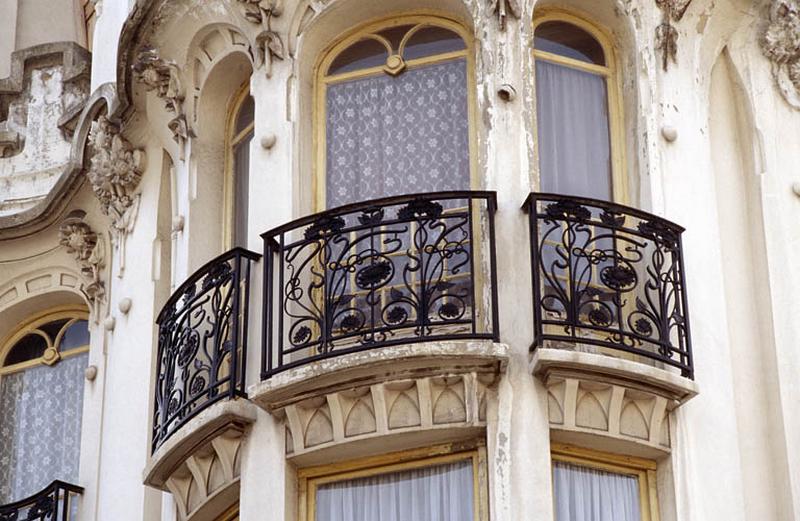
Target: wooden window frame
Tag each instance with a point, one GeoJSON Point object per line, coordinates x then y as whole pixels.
{"type": "Point", "coordinates": [322, 79]}
{"type": "Point", "coordinates": [233, 138]}
{"type": "Point", "coordinates": [643, 470]}
{"type": "Point", "coordinates": [310, 478]}
{"type": "Point", "coordinates": [610, 71]}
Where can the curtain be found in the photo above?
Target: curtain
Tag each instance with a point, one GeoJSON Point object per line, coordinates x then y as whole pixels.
{"type": "Point", "coordinates": [40, 427]}
{"type": "Point", "coordinates": [586, 494]}
{"type": "Point", "coordinates": [438, 493]}
{"type": "Point", "coordinates": [394, 135]}
{"type": "Point", "coordinates": [573, 135]}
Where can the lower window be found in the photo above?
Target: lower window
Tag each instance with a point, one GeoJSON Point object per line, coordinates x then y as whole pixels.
{"type": "Point", "coordinates": [594, 486]}
{"type": "Point", "coordinates": [441, 488]}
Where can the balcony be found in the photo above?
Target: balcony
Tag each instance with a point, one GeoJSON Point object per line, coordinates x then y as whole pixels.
{"type": "Point", "coordinates": [57, 502]}
{"type": "Point", "coordinates": [202, 343]}
{"type": "Point", "coordinates": [610, 279]}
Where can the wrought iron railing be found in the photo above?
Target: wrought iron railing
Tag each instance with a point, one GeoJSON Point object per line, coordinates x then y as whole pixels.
{"type": "Point", "coordinates": [609, 276]}
{"type": "Point", "coordinates": [56, 502]}
{"type": "Point", "coordinates": [202, 342]}
{"type": "Point", "coordinates": [395, 270]}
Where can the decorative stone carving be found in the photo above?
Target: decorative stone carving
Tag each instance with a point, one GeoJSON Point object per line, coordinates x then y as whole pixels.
{"type": "Point", "coordinates": [268, 42]}
{"type": "Point", "coordinates": [163, 77]}
{"type": "Point", "coordinates": [666, 33]}
{"type": "Point", "coordinates": [88, 249]}
{"type": "Point", "coordinates": [115, 170]}
{"type": "Point", "coordinates": [503, 9]}
{"type": "Point", "coordinates": [781, 45]}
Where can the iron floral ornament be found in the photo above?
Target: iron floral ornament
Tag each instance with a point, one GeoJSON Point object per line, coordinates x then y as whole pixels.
{"type": "Point", "coordinates": [781, 45]}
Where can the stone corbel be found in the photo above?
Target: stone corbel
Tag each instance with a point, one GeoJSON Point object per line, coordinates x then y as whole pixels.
{"type": "Point", "coordinates": [163, 77]}
{"type": "Point", "coordinates": [666, 33]}
{"type": "Point", "coordinates": [115, 170]}
{"type": "Point", "coordinates": [268, 42]}
{"type": "Point", "coordinates": [504, 9]}
{"type": "Point", "coordinates": [781, 45]}
{"type": "Point", "coordinates": [88, 249]}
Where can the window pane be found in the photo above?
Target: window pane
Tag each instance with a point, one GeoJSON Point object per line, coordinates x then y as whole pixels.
{"type": "Point", "coordinates": [29, 347]}
{"type": "Point", "coordinates": [430, 41]}
{"type": "Point", "coordinates": [393, 135]}
{"type": "Point", "coordinates": [246, 114]}
{"type": "Point", "coordinates": [53, 328]}
{"type": "Point", "coordinates": [438, 493]}
{"type": "Point", "coordinates": [573, 136]}
{"type": "Point", "coordinates": [241, 173]}
{"type": "Point", "coordinates": [568, 40]}
{"type": "Point", "coordinates": [586, 494]}
{"type": "Point", "coordinates": [77, 335]}
{"type": "Point", "coordinates": [40, 430]}
{"type": "Point", "coordinates": [361, 55]}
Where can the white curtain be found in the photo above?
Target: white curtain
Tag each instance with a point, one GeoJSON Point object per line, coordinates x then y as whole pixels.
{"type": "Point", "coordinates": [573, 135]}
{"type": "Point", "coordinates": [586, 494]}
{"type": "Point", "coordinates": [439, 493]}
{"type": "Point", "coordinates": [40, 427]}
{"type": "Point", "coordinates": [394, 135]}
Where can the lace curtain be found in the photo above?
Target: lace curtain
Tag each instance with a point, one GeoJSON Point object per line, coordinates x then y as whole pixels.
{"type": "Point", "coordinates": [586, 494]}
{"type": "Point", "coordinates": [40, 432]}
{"type": "Point", "coordinates": [573, 135]}
{"type": "Point", "coordinates": [439, 493]}
{"type": "Point", "coordinates": [394, 135]}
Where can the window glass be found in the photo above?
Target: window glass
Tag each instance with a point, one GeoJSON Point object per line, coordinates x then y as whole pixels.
{"type": "Point", "coordinates": [53, 328]}
{"type": "Point", "coordinates": [568, 40]}
{"type": "Point", "coordinates": [29, 347]}
{"type": "Point", "coordinates": [241, 169]}
{"type": "Point", "coordinates": [588, 494]}
{"type": "Point", "coordinates": [361, 55]}
{"type": "Point", "coordinates": [430, 41]}
{"type": "Point", "coordinates": [436, 493]}
{"type": "Point", "coordinates": [76, 335]}
{"type": "Point", "coordinates": [246, 114]}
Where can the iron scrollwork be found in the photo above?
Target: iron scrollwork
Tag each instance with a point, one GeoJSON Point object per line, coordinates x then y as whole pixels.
{"type": "Point", "coordinates": [397, 270]}
{"type": "Point", "coordinates": [53, 503]}
{"type": "Point", "coordinates": [201, 342]}
{"type": "Point", "coordinates": [608, 276]}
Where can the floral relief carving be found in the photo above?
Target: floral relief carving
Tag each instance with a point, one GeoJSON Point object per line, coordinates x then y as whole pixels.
{"type": "Point", "coordinates": [504, 9]}
{"type": "Point", "coordinates": [666, 33]}
{"type": "Point", "coordinates": [268, 42]}
{"type": "Point", "coordinates": [781, 45]}
{"type": "Point", "coordinates": [88, 249]}
{"type": "Point", "coordinates": [163, 77]}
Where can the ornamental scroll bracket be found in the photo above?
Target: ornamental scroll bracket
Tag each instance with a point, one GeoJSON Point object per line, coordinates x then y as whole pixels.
{"type": "Point", "coordinates": [88, 249]}
{"type": "Point", "coordinates": [504, 9]}
{"type": "Point", "coordinates": [780, 43]}
{"type": "Point", "coordinates": [666, 33]}
{"type": "Point", "coordinates": [269, 45]}
{"type": "Point", "coordinates": [115, 170]}
{"type": "Point", "coordinates": [163, 77]}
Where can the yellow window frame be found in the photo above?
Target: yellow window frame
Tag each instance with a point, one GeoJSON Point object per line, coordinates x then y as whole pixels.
{"type": "Point", "coordinates": [643, 470]}
{"type": "Point", "coordinates": [309, 479]}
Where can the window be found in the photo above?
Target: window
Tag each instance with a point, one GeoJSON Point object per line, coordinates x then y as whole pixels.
{"type": "Point", "coordinates": [594, 486]}
{"type": "Point", "coordinates": [395, 488]}
{"type": "Point", "coordinates": [394, 112]}
{"type": "Point", "coordinates": [240, 134]}
{"type": "Point", "coordinates": [576, 110]}
{"type": "Point", "coordinates": [41, 403]}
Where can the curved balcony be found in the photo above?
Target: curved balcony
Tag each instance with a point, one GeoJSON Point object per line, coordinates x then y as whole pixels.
{"type": "Point", "coordinates": [56, 502]}
{"type": "Point", "coordinates": [608, 279]}
{"type": "Point", "coordinates": [399, 270]}
{"type": "Point", "coordinates": [202, 343]}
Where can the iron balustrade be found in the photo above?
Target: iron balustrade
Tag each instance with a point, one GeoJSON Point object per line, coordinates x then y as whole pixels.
{"type": "Point", "coordinates": [202, 342]}
{"type": "Point", "coordinates": [390, 271]}
{"type": "Point", "coordinates": [610, 276]}
{"type": "Point", "coordinates": [53, 503]}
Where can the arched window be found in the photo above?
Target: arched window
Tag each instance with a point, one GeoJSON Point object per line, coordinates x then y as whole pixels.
{"type": "Point", "coordinates": [240, 134]}
{"type": "Point", "coordinates": [41, 403]}
{"type": "Point", "coordinates": [393, 112]}
{"type": "Point", "coordinates": [576, 109]}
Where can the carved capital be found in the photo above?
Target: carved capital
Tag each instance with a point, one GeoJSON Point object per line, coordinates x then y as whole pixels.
{"type": "Point", "coordinates": [88, 249]}
{"type": "Point", "coordinates": [269, 45]}
{"type": "Point", "coordinates": [781, 45]}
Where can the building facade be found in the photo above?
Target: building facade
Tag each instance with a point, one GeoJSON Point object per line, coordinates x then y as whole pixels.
{"type": "Point", "coordinates": [358, 260]}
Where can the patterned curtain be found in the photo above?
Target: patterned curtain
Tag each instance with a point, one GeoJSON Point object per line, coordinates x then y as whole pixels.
{"type": "Point", "coordinates": [394, 135]}
{"type": "Point", "coordinates": [40, 431]}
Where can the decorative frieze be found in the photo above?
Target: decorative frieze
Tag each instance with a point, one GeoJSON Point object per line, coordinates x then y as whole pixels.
{"type": "Point", "coordinates": [666, 33]}
{"type": "Point", "coordinates": [163, 77]}
{"type": "Point", "coordinates": [269, 45]}
{"type": "Point", "coordinates": [781, 45]}
{"type": "Point", "coordinates": [88, 249]}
